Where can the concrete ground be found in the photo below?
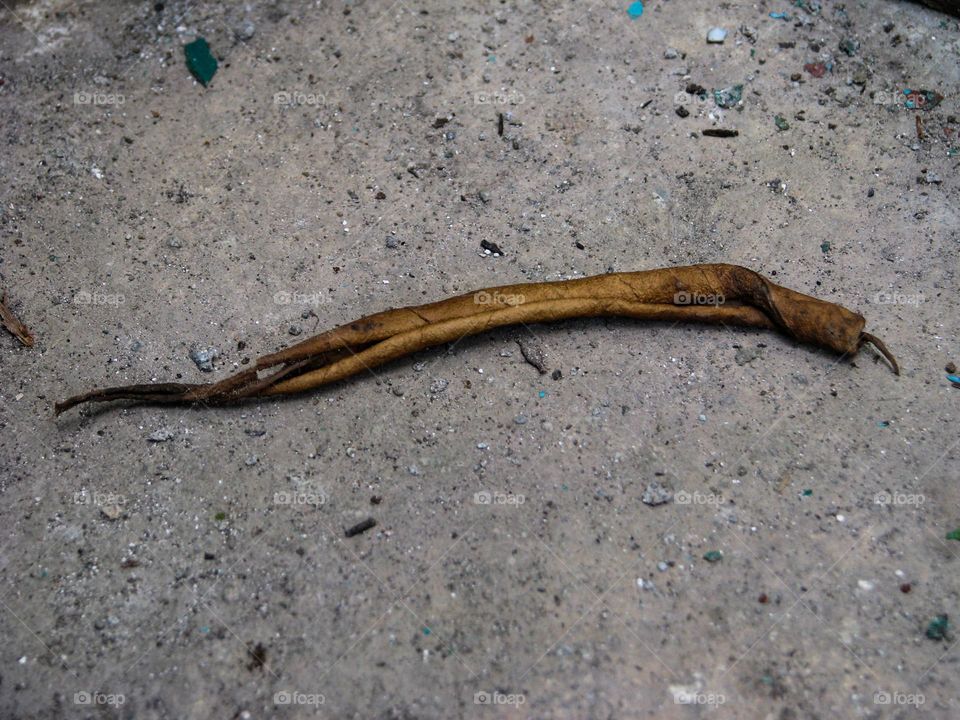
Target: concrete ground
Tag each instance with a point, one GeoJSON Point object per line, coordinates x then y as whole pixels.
{"type": "Point", "coordinates": [192, 563]}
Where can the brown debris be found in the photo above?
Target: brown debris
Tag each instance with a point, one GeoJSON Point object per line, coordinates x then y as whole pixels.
{"type": "Point", "coordinates": [720, 294]}
{"type": "Point", "coordinates": [13, 324]}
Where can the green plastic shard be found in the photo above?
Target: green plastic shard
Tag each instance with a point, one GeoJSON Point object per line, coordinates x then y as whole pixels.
{"type": "Point", "coordinates": [937, 629]}
{"type": "Point", "coordinates": [200, 62]}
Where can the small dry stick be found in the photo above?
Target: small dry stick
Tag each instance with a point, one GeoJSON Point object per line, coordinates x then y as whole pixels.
{"type": "Point", "coordinates": [723, 294]}
{"type": "Point", "coordinates": [13, 324]}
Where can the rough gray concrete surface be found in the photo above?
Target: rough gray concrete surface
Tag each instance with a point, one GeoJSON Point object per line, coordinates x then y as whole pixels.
{"type": "Point", "coordinates": [191, 563]}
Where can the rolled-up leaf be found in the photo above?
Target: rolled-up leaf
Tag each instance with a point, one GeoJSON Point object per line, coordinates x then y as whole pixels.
{"type": "Point", "coordinates": [724, 294]}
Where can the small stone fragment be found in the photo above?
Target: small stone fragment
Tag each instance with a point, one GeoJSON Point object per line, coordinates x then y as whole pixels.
{"type": "Point", "coordinates": [746, 355]}
{"type": "Point", "coordinates": [360, 527]}
{"type": "Point", "coordinates": [849, 46]}
{"type": "Point", "coordinates": [533, 353]}
{"type": "Point", "coordinates": [491, 247]}
{"type": "Point", "coordinates": [656, 494]}
{"type": "Point", "coordinates": [204, 358]}
{"type": "Point", "coordinates": [716, 35]}
{"type": "Point", "coordinates": [245, 31]}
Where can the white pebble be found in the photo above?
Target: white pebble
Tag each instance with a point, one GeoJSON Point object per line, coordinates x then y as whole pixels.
{"type": "Point", "coordinates": [716, 35]}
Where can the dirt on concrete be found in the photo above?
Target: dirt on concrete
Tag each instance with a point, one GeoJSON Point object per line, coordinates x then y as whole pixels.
{"type": "Point", "coordinates": [669, 522]}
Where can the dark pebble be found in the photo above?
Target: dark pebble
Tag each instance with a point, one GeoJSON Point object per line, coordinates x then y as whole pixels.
{"type": "Point", "coordinates": [360, 527]}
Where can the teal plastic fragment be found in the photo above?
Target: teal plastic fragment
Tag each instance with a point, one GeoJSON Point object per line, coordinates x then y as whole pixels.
{"type": "Point", "coordinates": [938, 627]}
{"type": "Point", "coordinates": [200, 62]}
{"type": "Point", "coordinates": [728, 97]}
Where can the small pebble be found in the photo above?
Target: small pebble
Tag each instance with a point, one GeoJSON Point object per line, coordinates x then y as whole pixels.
{"type": "Point", "coordinates": [203, 359]}
{"type": "Point", "coordinates": [656, 494]}
{"type": "Point", "coordinates": [245, 31]}
{"type": "Point", "coordinates": [251, 460]}
{"type": "Point", "coordinates": [747, 355]}
{"type": "Point", "coordinates": [662, 566]}
{"type": "Point", "coordinates": [295, 330]}
{"type": "Point", "coordinates": [438, 386]}
{"type": "Point", "coordinates": [716, 35]}
{"type": "Point", "coordinates": [671, 53]}
{"type": "Point", "coordinates": [161, 435]}
{"type": "Point", "coordinates": [391, 242]}
{"type": "Point", "coordinates": [520, 420]}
